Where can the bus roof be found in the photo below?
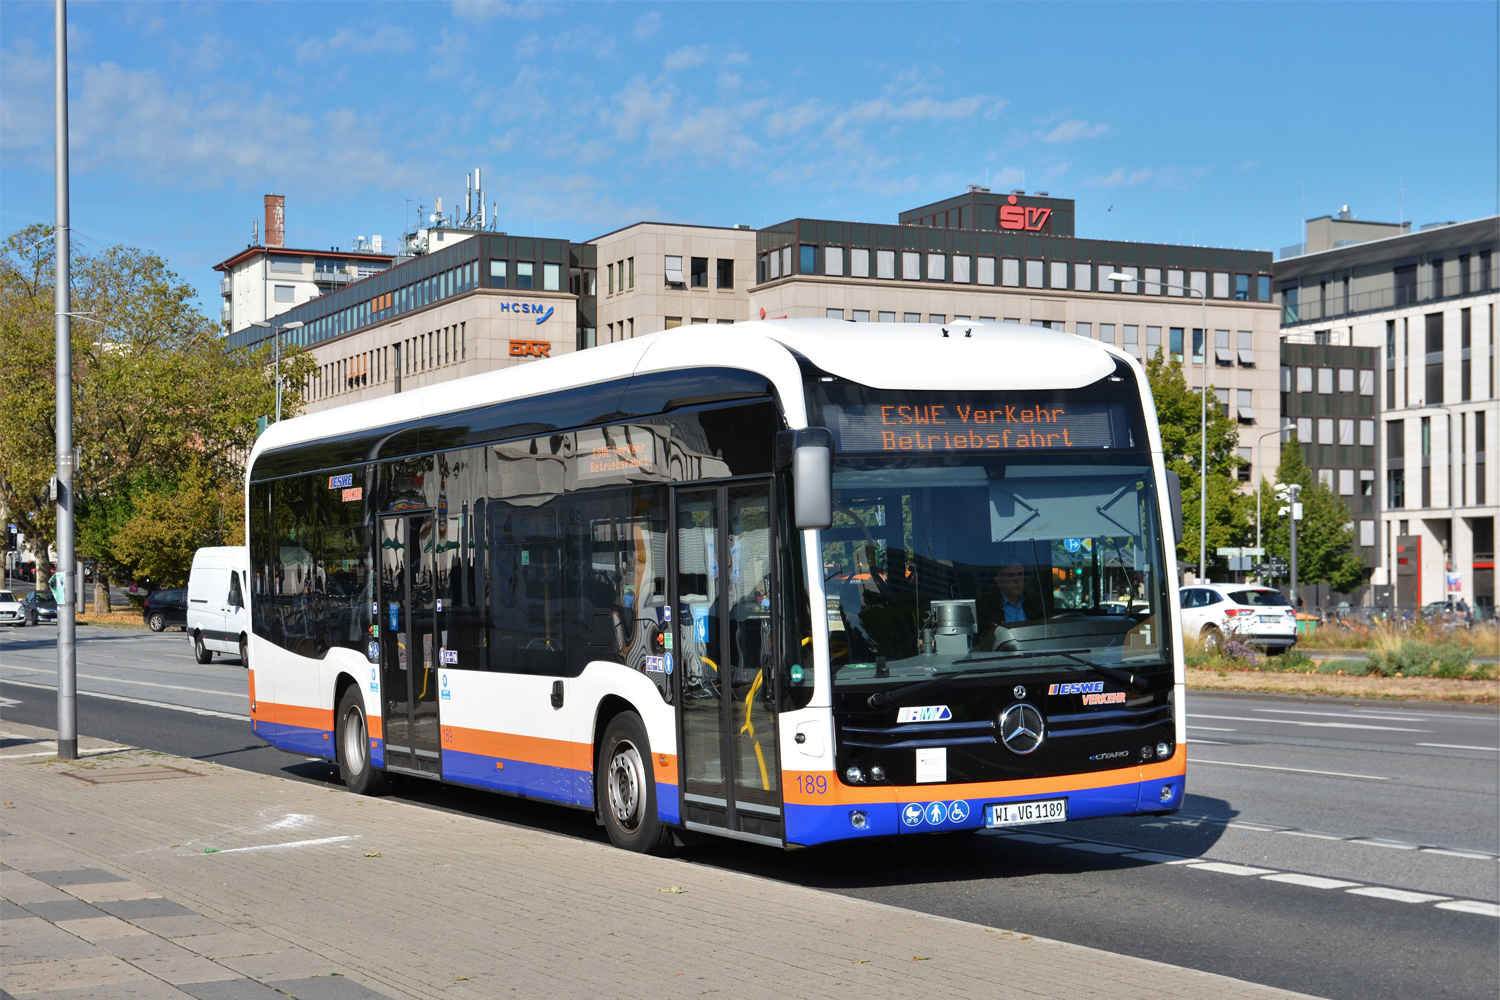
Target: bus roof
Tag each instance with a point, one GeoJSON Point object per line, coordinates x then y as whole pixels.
{"type": "Point", "coordinates": [959, 355]}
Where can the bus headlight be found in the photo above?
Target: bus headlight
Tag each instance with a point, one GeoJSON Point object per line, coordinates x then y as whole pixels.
{"type": "Point", "coordinates": [854, 775]}
{"type": "Point", "coordinates": [1167, 792]}
{"type": "Point", "coordinates": [877, 773]}
{"type": "Point", "coordinates": [858, 819]}
{"type": "Point", "coordinates": [1163, 750]}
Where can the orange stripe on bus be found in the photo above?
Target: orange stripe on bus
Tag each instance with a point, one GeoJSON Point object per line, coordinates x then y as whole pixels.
{"type": "Point", "coordinates": [296, 715]}
{"type": "Point", "coordinates": [253, 707]}
{"type": "Point", "coordinates": [531, 749]}
{"type": "Point", "coordinates": [841, 794]}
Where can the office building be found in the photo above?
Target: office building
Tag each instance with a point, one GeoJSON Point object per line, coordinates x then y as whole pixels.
{"type": "Point", "coordinates": [1425, 301]}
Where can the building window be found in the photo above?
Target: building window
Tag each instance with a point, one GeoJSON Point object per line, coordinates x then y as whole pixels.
{"type": "Point", "coordinates": [1346, 482]}
{"type": "Point", "coordinates": [1434, 359]}
{"type": "Point", "coordinates": [524, 273]}
{"type": "Point", "coordinates": [1242, 287]}
{"type": "Point", "coordinates": [552, 277]}
{"type": "Point", "coordinates": [1197, 346]}
{"type": "Point", "coordinates": [786, 261]}
{"type": "Point", "coordinates": [673, 266]}
{"type": "Point", "coordinates": [1346, 431]}
{"type": "Point", "coordinates": [1367, 433]}
{"type": "Point", "coordinates": [497, 275]}
{"type": "Point", "coordinates": [885, 264]}
{"type": "Point", "coordinates": [1367, 482]}
{"type": "Point", "coordinates": [1084, 329]}
{"type": "Point", "coordinates": [807, 263]}
{"type": "Point", "coordinates": [1395, 488]}
{"type": "Point", "coordinates": [1325, 381]}
{"type": "Point", "coordinates": [937, 267]}
{"type": "Point", "coordinates": [937, 318]}
{"type": "Point", "coordinates": [961, 270]}
{"type": "Point", "coordinates": [630, 262]}
{"type": "Point", "coordinates": [1221, 285]}
{"type": "Point", "coordinates": [887, 317]}
{"type": "Point", "coordinates": [1325, 430]}
{"type": "Point", "coordinates": [1367, 533]}
{"type": "Point", "coordinates": [1243, 408]}
{"type": "Point", "coordinates": [1406, 285]}
{"type": "Point", "coordinates": [1081, 275]}
{"type": "Point", "coordinates": [1263, 288]}
{"type": "Point", "coordinates": [285, 293]}
{"type": "Point", "coordinates": [1059, 274]}
{"type": "Point", "coordinates": [1325, 476]}
{"type": "Point", "coordinates": [1153, 281]}
{"type": "Point", "coordinates": [833, 314]}
{"type": "Point", "coordinates": [1247, 455]}
{"type": "Point", "coordinates": [673, 322]}
{"type": "Point", "coordinates": [964, 319]}
{"type": "Point", "coordinates": [1465, 375]}
{"type": "Point", "coordinates": [699, 274]}
{"type": "Point", "coordinates": [833, 262]}
{"type": "Point", "coordinates": [1199, 281]}
{"type": "Point", "coordinates": [1175, 344]}
{"type": "Point", "coordinates": [1107, 336]}
{"type": "Point", "coordinates": [861, 315]}
{"type": "Point", "coordinates": [726, 272]}
{"type": "Point", "coordinates": [695, 321]}
{"type": "Point", "coordinates": [1437, 278]}
{"type": "Point", "coordinates": [1289, 312]}
{"type": "Point", "coordinates": [1222, 354]}
{"type": "Point", "coordinates": [1305, 430]}
{"type": "Point", "coordinates": [986, 270]}
{"type": "Point", "coordinates": [1221, 400]}
{"type": "Point", "coordinates": [1346, 380]}
{"type": "Point", "coordinates": [1367, 381]}
{"type": "Point", "coordinates": [1010, 272]}
{"type": "Point", "coordinates": [911, 317]}
{"type": "Point", "coordinates": [911, 266]}
{"type": "Point", "coordinates": [859, 263]}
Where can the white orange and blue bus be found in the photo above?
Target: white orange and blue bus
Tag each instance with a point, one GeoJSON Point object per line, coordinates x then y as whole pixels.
{"type": "Point", "coordinates": [789, 582]}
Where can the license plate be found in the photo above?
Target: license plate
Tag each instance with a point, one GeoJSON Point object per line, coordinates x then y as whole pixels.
{"type": "Point", "coordinates": [1273, 619]}
{"type": "Point", "coordinates": [1021, 813]}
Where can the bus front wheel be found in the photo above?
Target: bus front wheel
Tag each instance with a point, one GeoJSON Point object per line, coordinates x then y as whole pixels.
{"type": "Point", "coordinates": [353, 742]}
{"type": "Point", "coordinates": [625, 789]}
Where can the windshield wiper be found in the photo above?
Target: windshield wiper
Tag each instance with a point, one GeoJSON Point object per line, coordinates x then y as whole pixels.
{"type": "Point", "coordinates": [1125, 677]}
{"type": "Point", "coordinates": [885, 697]}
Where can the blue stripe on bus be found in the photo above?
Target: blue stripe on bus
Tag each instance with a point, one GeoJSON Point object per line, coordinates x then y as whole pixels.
{"type": "Point", "coordinates": [537, 781]}
{"type": "Point", "coordinates": [377, 752]}
{"type": "Point", "coordinates": [298, 739]}
{"type": "Point", "coordinates": [814, 824]}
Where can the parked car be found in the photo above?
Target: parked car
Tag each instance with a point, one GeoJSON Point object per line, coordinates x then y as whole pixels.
{"type": "Point", "coordinates": [217, 619]}
{"type": "Point", "coordinates": [38, 606]}
{"type": "Point", "coordinates": [1449, 613]}
{"type": "Point", "coordinates": [10, 609]}
{"type": "Point", "coordinates": [1237, 612]}
{"type": "Point", "coordinates": [166, 609]}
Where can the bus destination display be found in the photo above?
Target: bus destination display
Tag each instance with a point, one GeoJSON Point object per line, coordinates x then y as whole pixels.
{"type": "Point", "coordinates": [985, 426]}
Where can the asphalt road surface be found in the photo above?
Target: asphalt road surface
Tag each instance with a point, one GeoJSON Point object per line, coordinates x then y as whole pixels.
{"type": "Point", "coordinates": [1343, 849]}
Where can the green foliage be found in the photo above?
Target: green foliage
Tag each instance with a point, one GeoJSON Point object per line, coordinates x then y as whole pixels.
{"type": "Point", "coordinates": [156, 397]}
{"type": "Point", "coordinates": [168, 522]}
{"type": "Point", "coordinates": [1420, 658]}
{"type": "Point", "coordinates": [1179, 413]}
{"type": "Point", "coordinates": [1325, 535]}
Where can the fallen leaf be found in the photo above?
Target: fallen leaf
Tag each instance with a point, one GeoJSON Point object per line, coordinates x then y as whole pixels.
{"type": "Point", "coordinates": [374, 854]}
{"type": "Point", "coordinates": [210, 850]}
{"type": "Point", "coordinates": [920, 958]}
{"type": "Point", "coordinates": [460, 979]}
{"type": "Point", "coordinates": [859, 961]}
{"type": "Point", "coordinates": [671, 888]}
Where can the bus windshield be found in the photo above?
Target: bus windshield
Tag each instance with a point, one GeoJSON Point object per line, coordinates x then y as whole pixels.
{"type": "Point", "coordinates": [989, 556]}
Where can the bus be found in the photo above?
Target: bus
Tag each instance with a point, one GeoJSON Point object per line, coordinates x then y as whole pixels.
{"type": "Point", "coordinates": [786, 582]}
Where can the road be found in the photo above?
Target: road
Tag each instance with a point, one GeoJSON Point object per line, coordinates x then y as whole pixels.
{"type": "Point", "coordinates": [1342, 849]}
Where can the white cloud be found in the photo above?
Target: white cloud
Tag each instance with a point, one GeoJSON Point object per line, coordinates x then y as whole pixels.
{"type": "Point", "coordinates": [686, 58]}
{"type": "Point", "coordinates": [790, 121]}
{"type": "Point", "coordinates": [489, 10]}
{"type": "Point", "coordinates": [1071, 131]}
{"type": "Point", "coordinates": [922, 109]}
{"type": "Point", "coordinates": [647, 25]}
{"type": "Point", "coordinates": [1120, 178]}
{"type": "Point", "coordinates": [390, 39]}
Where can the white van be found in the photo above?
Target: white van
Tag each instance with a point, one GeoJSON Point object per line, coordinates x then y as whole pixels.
{"type": "Point", "coordinates": [218, 615]}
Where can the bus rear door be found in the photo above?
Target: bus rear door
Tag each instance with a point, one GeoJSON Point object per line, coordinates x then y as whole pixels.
{"type": "Point", "coordinates": [408, 653]}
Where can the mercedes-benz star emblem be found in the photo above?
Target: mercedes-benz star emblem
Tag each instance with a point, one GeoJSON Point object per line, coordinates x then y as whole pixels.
{"type": "Point", "coordinates": [1022, 728]}
{"type": "Point", "coordinates": [1020, 692]}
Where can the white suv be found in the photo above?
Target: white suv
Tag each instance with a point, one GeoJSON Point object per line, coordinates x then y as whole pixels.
{"type": "Point", "coordinates": [1238, 612]}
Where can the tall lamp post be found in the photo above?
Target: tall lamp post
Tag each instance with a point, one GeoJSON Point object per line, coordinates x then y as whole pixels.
{"type": "Point", "coordinates": [276, 332]}
{"type": "Point", "coordinates": [1202, 422]}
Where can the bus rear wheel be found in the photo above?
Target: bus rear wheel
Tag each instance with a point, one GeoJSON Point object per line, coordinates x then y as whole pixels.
{"type": "Point", "coordinates": [353, 742]}
{"type": "Point", "coordinates": [624, 789]}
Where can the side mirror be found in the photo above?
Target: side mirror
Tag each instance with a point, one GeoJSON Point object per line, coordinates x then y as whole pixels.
{"type": "Point", "coordinates": [1174, 499]}
{"type": "Point", "coordinates": [808, 452]}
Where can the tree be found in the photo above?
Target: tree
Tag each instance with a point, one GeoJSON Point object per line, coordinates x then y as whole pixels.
{"type": "Point", "coordinates": [170, 522]}
{"type": "Point", "coordinates": [1325, 535]}
{"type": "Point", "coordinates": [154, 391]}
{"type": "Point", "coordinates": [1178, 413]}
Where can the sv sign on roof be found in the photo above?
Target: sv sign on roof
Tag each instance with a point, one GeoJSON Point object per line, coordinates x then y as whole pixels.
{"type": "Point", "coordinates": [1029, 218]}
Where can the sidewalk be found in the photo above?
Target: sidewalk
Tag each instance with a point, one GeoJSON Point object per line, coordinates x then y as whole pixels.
{"type": "Point", "coordinates": [134, 874]}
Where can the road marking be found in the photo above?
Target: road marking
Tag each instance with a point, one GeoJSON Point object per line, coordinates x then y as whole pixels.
{"type": "Point", "coordinates": [1397, 845]}
{"type": "Point", "coordinates": [136, 701]}
{"type": "Point", "coordinates": [1096, 848]}
{"type": "Point", "coordinates": [1314, 836]}
{"type": "Point", "coordinates": [1318, 725]}
{"type": "Point", "coordinates": [1311, 881]}
{"type": "Point", "coordinates": [1341, 715]}
{"type": "Point", "coordinates": [1161, 859]}
{"type": "Point", "coordinates": [1458, 746]}
{"type": "Point", "coordinates": [1228, 869]}
{"type": "Point", "coordinates": [1399, 895]}
{"type": "Point", "coordinates": [1212, 743]}
{"type": "Point", "coordinates": [1297, 770]}
{"type": "Point", "coordinates": [282, 847]}
{"type": "Point", "coordinates": [53, 753]}
{"type": "Point", "coordinates": [121, 680]}
{"type": "Point", "coordinates": [1214, 729]}
{"type": "Point", "coordinates": [1447, 853]}
{"type": "Point", "coordinates": [1472, 906]}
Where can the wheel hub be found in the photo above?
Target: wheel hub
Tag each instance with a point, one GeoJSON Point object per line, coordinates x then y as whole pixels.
{"type": "Point", "coordinates": [627, 780]}
{"type": "Point", "coordinates": [354, 742]}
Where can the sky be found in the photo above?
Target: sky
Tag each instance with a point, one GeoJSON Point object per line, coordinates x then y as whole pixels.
{"type": "Point", "coordinates": [1223, 124]}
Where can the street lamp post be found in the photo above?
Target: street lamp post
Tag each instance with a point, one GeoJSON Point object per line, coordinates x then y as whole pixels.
{"type": "Point", "coordinates": [1202, 423]}
{"type": "Point", "coordinates": [276, 332]}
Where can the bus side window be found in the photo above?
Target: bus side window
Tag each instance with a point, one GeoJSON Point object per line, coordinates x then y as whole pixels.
{"type": "Point", "coordinates": [528, 587]}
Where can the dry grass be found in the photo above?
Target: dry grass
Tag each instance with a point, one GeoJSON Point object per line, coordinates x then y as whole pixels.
{"type": "Point", "coordinates": [1471, 692]}
{"type": "Point", "coordinates": [1481, 640]}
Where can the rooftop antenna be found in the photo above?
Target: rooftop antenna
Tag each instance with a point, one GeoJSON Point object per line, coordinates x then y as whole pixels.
{"type": "Point", "coordinates": [479, 190]}
{"type": "Point", "coordinates": [1400, 200]}
{"type": "Point", "coordinates": [468, 198]}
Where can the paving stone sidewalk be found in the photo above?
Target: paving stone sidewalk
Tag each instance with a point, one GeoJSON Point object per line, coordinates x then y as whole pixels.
{"type": "Point", "coordinates": [133, 874]}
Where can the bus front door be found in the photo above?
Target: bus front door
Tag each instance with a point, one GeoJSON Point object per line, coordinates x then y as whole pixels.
{"type": "Point", "coordinates": [722, 596]}
{"type": "Point", "coordinates": [409, 678]}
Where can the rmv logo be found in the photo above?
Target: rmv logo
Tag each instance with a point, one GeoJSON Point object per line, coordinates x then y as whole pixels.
{"type": "Point", "coordinates": [542, 313]}
{"type": "Point", "coordinates": [1029, 218]}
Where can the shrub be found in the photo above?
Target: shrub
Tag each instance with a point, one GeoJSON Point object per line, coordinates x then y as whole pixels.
{"type": "Point", "coordinates": [1419, 658]}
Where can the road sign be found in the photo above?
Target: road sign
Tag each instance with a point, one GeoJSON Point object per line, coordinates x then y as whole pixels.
{"type": "Point", "coordinates": [1247, 550]}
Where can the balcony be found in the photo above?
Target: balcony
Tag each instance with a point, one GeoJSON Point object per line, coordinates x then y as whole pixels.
{"type": "Point", "coordinates": [224, 287]}
{"type": "Point", "coordinates": [1311, 310]}
{"type": "Point", "coordinates": [327, 276]}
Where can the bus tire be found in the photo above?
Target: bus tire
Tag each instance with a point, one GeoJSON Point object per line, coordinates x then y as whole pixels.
{"type": "Point", "coordinates": [352, 740]}
{"type": "Point", "coordinates": [201, 653]}
{"type": "Point", "coordinates": [625, 790]}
